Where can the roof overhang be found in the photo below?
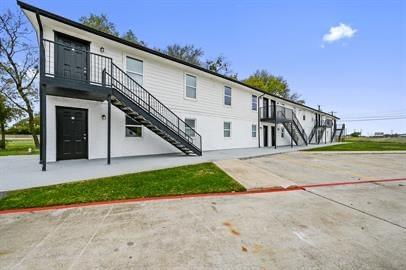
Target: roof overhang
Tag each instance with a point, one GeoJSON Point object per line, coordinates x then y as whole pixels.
{"type": "Point", "coordinates": [69, 22]}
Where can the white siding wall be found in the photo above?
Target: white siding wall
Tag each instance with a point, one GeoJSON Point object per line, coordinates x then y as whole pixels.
{"type": "Point", "coordinates": [165, 79]}
{"type": "Point", "coordinates": [121, 145]}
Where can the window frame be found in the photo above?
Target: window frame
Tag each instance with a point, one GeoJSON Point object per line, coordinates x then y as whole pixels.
{"type": "Point", "coordinates": [252, 103]}
{"type": "Point", "coordinates": [195, 121]}
{"type": "Point", "coordinates": [229, 129]}
{"type": "Point", "coordinates": [254, 130]}
{"type": "Point", "coordinates": [186, 86]}
{"type": "Point", "coordinates": [134, 72]}
{"type": "Point", "coordinates": [132, 125]}
{"type": "Point", "coordinates": [224, 96]}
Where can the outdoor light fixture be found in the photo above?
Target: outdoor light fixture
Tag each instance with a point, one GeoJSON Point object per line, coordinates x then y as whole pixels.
{"type": "Point", "coordinates": [102, 49]}
{"type": "Point", "coordinates": [103, 117]}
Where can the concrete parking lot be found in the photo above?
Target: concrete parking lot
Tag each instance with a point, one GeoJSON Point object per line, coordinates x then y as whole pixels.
{"type": "Point", "coordinates": [302, 168]}
{"type": "Point", "coordinates": [358, 226]}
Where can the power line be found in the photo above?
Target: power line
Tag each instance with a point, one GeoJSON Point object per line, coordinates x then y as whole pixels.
{"type": "Point", "coordinates": [372, 119]}
{"type": "Point", "coordinates": [376, 116]}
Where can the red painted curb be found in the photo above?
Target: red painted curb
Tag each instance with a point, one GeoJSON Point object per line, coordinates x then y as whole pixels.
{"type": "Point", "coordinates": [187, 196]}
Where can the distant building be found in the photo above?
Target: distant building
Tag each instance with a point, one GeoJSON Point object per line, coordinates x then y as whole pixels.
{"type": "Point", "coordinates": [379, 134]}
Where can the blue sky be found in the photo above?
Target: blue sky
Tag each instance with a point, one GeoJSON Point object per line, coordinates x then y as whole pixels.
{"type": "Point", "coordinates": [356, 76]}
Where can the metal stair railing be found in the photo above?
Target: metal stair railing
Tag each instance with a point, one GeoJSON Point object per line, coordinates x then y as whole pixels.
{"type": "Point", "coordinates": [92, 73]}
{"type": "Point", "coordinates": [286, 115]}
{"type": "Point", "coordinates": [312, 133]}
{"type": "Point", "coordinates": [139, 95]}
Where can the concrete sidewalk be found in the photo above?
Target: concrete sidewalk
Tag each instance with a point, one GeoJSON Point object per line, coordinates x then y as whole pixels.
{"type": "Point", "coordinates": [18, 172]}
{"type": "Point", "coordinates": [251, 176]}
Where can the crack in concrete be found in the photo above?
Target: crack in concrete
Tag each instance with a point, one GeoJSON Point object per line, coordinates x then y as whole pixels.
{"type": "Point", "coordinates": [356, 209]}
{"type": "Point", "coordinates": [90, 239]}
{"type": "Point", "coordinates": [41, 241]}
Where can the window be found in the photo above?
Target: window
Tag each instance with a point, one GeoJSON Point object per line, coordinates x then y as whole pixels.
{"type": "Point", "coordinates": [132, 128]}
{"type": "Point", "coordinates": [254, 131]}
{"type": "Point", "coordinates": [227, 129]}
{"type": "Point", "coordinates": [254, 102]}
{"type": "Point", "coordinates": [190, 126]}
{"type": "Point", "coordinates": [304, 117]}
{"type": "Point", "coordinates": [135, 68]}
{"type": "Point", "coordinates": [190, 86]}
{"type": "Point", "coordinates": [227, 95]}
{"type": "Point", "coordinates": [282, 132]}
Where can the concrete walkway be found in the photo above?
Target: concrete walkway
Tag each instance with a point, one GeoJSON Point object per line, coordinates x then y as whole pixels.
{"type": "Point", "coordinates": [18, 172]}
{"type": "Point", "coordinates": [251, 176]}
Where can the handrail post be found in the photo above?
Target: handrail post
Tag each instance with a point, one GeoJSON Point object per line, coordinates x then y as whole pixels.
{"type": "Point", "coordinates": [149, 104]}
{"type": "Point", "coordinates": [104, 77]}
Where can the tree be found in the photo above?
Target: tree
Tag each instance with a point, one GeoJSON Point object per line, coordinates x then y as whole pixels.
{"type": "Point", "coordinates": [22, 126]}
{"type": "Point", "coordinates": [5, 116]}
{"type": "Point", "coordinates": [100, 22]}
{"type": "Point", "coordinates": [220, 65]}
{"type": "Point", "coordinates": [130, 36]}
{"type": "Point", "coordinates": [188, 53]}
{"type": "Point", "coordinates": [18, 66]}
{"type": "Point", "coordinates": [275, 85]}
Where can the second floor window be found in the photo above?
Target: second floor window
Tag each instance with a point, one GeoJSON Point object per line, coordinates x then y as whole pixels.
{"type": "Point", "coordinates": [227, 95]}
{"type": "Point", "coordinates": [254, 102]}
{"type": "Point", "coordinates": [191, 86]}
{"type": "Point", "coordinates": [304, 117]}
{"type": "Point", "coordinates": [135, 69]}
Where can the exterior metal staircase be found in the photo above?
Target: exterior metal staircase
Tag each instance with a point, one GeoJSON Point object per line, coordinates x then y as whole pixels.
{"type": "Point", "coordinates": [320, 133]}
{"type": "Point", "coordinates": [131, 98]}
{"type": "Point", "coordinates": [312, 133]}
{"type": "Point", "coordinates": [72, 66]}
{"type": "Point", "coordinates": [338, 133]}
{"type": "Point", "coordinates": [288, 118]}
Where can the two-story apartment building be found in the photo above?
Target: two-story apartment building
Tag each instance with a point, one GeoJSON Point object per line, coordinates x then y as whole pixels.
{"type": "Point", "coordinates": [102, 96]}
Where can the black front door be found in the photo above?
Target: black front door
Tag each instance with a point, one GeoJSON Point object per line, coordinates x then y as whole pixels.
{"type": "Point", "coordinates": [71, 58]}
{"type": "Point", "coordinates": [71, 133]}
{"type": "Point", "coordinates": [273, 134]}
{"type": "Point", "coordinates": [265, 136]}
{"type": "Point", "coordinates": [266, 107]}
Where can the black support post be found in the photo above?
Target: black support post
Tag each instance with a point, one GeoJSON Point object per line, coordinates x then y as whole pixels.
{"type": "Point", "coordinates": [42, 97]}
{"type": "Point", "coordinates": [109, 130]}
{"type": "Point", "coordinates": [276, 132]}
{"type": "Point", "coordinates": [291, 134]}
{"type": "Point", "coordinates": [43, 119]}
{"type": "Point", "coordinates": [259, 123]}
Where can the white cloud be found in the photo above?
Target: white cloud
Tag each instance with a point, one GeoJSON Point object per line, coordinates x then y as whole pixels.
{"type": "Point", "coordinates": [339, 32]}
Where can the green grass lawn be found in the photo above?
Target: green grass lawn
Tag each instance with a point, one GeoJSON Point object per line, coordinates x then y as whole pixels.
{"type": "Point", "coordinates": [192, 179]}
{"type": "Point", "coordinates": [367, 144]}
{"type": "Point", "coordinates": [19, 147]}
